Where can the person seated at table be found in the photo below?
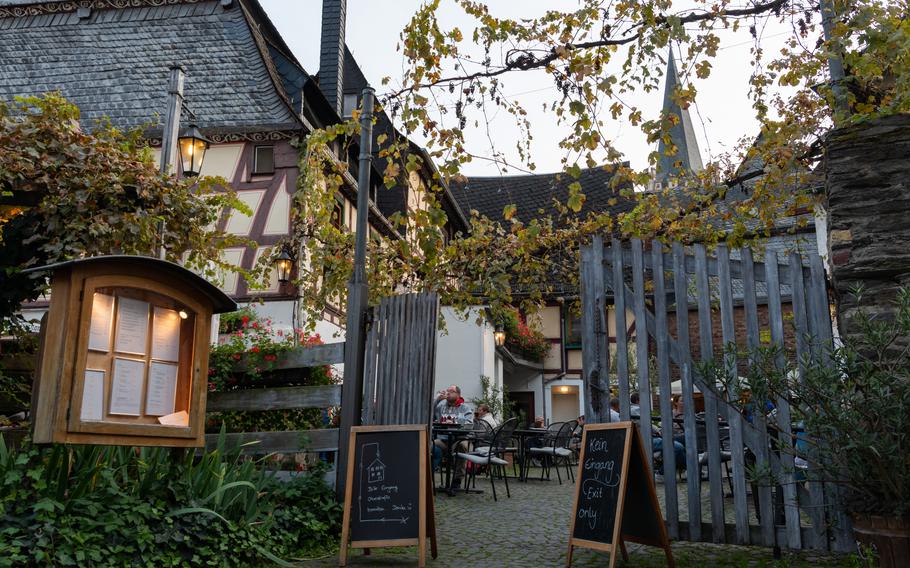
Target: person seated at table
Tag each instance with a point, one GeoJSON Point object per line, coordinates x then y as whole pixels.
{"type": "Point", "coordinates": [614, 410]}
{"type": "Point", "coordinates": [536, 441]}
{"type": "Point", "coordinates": [483, 413]}
{"type": "Point", "coordinates": [635, 407]}
{"type": "Point", "coordinates": [575, 444]}
{"type": "Point", "coordinates": [452, 408]}
{"type": "Point", "coordinates": [679, 451]}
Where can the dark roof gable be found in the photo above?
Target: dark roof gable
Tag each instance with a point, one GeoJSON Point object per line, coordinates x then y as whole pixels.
{"type": "Point", "coordinates": [113, 62]}
{"type": "Point", "coordinates": [533, 195]}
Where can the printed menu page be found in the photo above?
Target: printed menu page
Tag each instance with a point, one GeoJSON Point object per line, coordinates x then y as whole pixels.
{"type": "Point", "coordinates": [99, 337]}
{"type": "Point", "coordinates": [165, 334]}
{"type": "Point", "coordinates": [92, 395]}
{"type": "Point", "coordinates": [132, 326]}
{"type": "Point", "coordinates": [162, 388]}
{"type": "Point", "coordinates": [126, 389]}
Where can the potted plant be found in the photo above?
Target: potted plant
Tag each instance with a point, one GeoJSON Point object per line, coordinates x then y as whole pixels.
{"type": "Point", "coordinates": [854, 405]}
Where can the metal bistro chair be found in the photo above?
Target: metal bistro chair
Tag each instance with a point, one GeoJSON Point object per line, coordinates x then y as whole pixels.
{"type": "Point", "coordinates": [489, 456]}
{"type": "Point", "coordinates": [725, 454]}
{"type": "Point", "coordinates": [556, 448]}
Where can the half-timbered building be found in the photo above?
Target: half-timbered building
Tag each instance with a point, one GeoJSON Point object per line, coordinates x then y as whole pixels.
{"type": "Point", "coordinates": [244, 89]}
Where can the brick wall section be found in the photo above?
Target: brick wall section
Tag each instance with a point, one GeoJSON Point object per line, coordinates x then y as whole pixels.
{"type": "Point", "coordinates": [739, 321]}
{"type": "Point", "coordinates": [867, 179]}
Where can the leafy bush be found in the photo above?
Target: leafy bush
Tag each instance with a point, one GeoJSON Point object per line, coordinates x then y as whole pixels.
{"type": "Point", "coordinates": [95, 192]}
{"type": "Point", "coordinates": [116, 506]}
{"type": "Point", "coordinates": [497, 398]}
{"type": "Point", "coordinates": [856, 410]}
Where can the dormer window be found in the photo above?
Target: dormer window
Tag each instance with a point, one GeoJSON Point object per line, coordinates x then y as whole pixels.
{"type": "Point", "coordinates": [349, 105]}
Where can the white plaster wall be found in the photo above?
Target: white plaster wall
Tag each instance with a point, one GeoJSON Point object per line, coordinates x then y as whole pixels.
{"type": "Point", "coordinates": [464, 351]}
{"type": "Point", "coordinates": [557, 407]}
{"type": "Point", "coordinates": [281, 312]}
{"type": "Point", "coordinates": [565, 407]}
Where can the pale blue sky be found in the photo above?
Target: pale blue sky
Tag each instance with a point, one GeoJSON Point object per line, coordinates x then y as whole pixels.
{"type": "Point", "coordinates": [721, 116]}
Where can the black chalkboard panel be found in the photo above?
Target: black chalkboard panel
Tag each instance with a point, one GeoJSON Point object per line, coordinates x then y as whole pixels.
{"type": "Point", "coordinates": [615, 490]}
{"type": "Point", "coordinates": [600, 473]}
{"type": "Point", "coordinates": [385, 493]}
{"type": "Point", "coordinates": [642, 521]}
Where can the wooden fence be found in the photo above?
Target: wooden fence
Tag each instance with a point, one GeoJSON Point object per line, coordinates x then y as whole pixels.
{"type": "Point", "coordinates": [649, 288]}
{"type": "Point", "coordinates": [400, 360]}
{"type": "Point", "coordinates": [285, 398]}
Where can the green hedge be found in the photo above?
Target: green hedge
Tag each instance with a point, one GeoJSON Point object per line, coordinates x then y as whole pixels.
{"type": "Point", "coordinates": [114, 506]}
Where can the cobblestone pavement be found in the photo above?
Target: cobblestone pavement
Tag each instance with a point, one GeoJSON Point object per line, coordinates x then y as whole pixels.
{"type": "Point", "coordinates": [531, 529]}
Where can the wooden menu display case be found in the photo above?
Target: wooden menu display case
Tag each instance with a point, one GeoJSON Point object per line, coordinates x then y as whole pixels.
{"type": "Point", "coordinates": [124, 353]}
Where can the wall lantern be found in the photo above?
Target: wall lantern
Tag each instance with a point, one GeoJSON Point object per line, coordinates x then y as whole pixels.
{"type": "Point", "coordinates": [284, 264]}
{"type": "Point", "coordinates": [499, 335]}
{"type": "Point", "coordinates": [192, 150]}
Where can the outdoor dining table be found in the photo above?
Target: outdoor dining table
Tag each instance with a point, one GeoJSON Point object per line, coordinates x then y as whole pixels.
{"type": "Point", "coordinates": [453, 434]}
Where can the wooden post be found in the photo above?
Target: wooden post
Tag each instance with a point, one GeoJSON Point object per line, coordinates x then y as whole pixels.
{"type": "Point", "coordinates": [170, 134]}
{"type": "Point", "coordinates": [358, 297]}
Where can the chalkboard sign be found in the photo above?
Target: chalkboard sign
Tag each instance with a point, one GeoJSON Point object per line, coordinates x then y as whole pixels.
{"type": "Point", "coordinates": [613, 477]}
{"type": "Point", "coordinates": [388, 501]}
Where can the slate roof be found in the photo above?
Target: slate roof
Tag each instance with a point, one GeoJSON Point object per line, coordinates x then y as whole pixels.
{"type": "Point", "coordinates": [533, 195]}
{"type": "Point", "coordinates": [392, 200]}
{"type": "Point", "coordinates": [114, 63]}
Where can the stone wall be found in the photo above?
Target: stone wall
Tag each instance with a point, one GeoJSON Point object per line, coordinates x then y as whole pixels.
{"type": "Point", "coordinates": [867, 170]}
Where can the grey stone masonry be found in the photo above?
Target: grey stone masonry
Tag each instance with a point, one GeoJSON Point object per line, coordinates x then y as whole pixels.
{"type": "Point", "coordinates": [867, 173]}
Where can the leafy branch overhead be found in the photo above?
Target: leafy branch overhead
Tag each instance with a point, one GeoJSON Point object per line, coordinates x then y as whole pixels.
{"type": "Point", "coordinates": [82, 193]}
{"type": "Point", "coordinates": [598, 58]}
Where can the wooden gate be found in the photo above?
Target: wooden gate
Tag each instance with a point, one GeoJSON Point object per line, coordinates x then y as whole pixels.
{"type": "Point", "coordinates": [400, 360]}
{"type": "Point", "coordinates": [659, 290]}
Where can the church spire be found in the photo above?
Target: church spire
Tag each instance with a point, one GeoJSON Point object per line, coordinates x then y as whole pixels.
{"type": "Point", "coordinates": [687, 158]}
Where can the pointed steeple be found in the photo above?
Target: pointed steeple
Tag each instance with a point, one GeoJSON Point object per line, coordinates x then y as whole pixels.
{"type": "Point", "coordinates": [687, 158]}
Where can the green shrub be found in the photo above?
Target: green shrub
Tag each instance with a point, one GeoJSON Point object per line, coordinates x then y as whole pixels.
{"type": "Point", "coordinates": [115, 506]}
{"type": "Point", "coordinates": [855, 409]}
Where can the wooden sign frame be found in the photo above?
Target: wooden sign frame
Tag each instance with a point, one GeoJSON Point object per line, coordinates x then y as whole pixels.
{"type": "Point", "coordinates": [167, 409]}
{"type": "Point", "coordinates": [618, 538]}
{"type": "Point", "coordinates": [426, 506]}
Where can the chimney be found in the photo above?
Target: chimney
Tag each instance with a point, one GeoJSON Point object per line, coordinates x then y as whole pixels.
{"type": "Point", "coordinates": [331, 53]}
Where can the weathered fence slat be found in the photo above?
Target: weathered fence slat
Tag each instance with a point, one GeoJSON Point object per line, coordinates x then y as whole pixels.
{"type": "Point", "coordinates": [310, 356]}
{"type": "Point", "coordinates": [369, 372]}
{"type": "Point", "coordinates": [595, 334]}
{"type": "Point", "coordinates": [588, 336]}
{"type": "Point", "coordinates": [622, 348]}
{"type": "Point", "coordinates": [291, 442]}
{"type": "Point", "coordinates": [712, 431]}
{"type": "Point", "coordinates": [765, 497]}
{"type": "Point", "coordinates": [662, 339]}
{"type": "Point", "coordinates": [737, 459]}
{"type": "Point", "coordinates": [816, 507]}
{"type": "Point", "coordinates": [693, 480]}
{"type": "Point", "coordinates": [282, 398]}
{"type": "Point", "coordinates": [785, 440]}
{"type": "Point", "coordinates": [641, 349]}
